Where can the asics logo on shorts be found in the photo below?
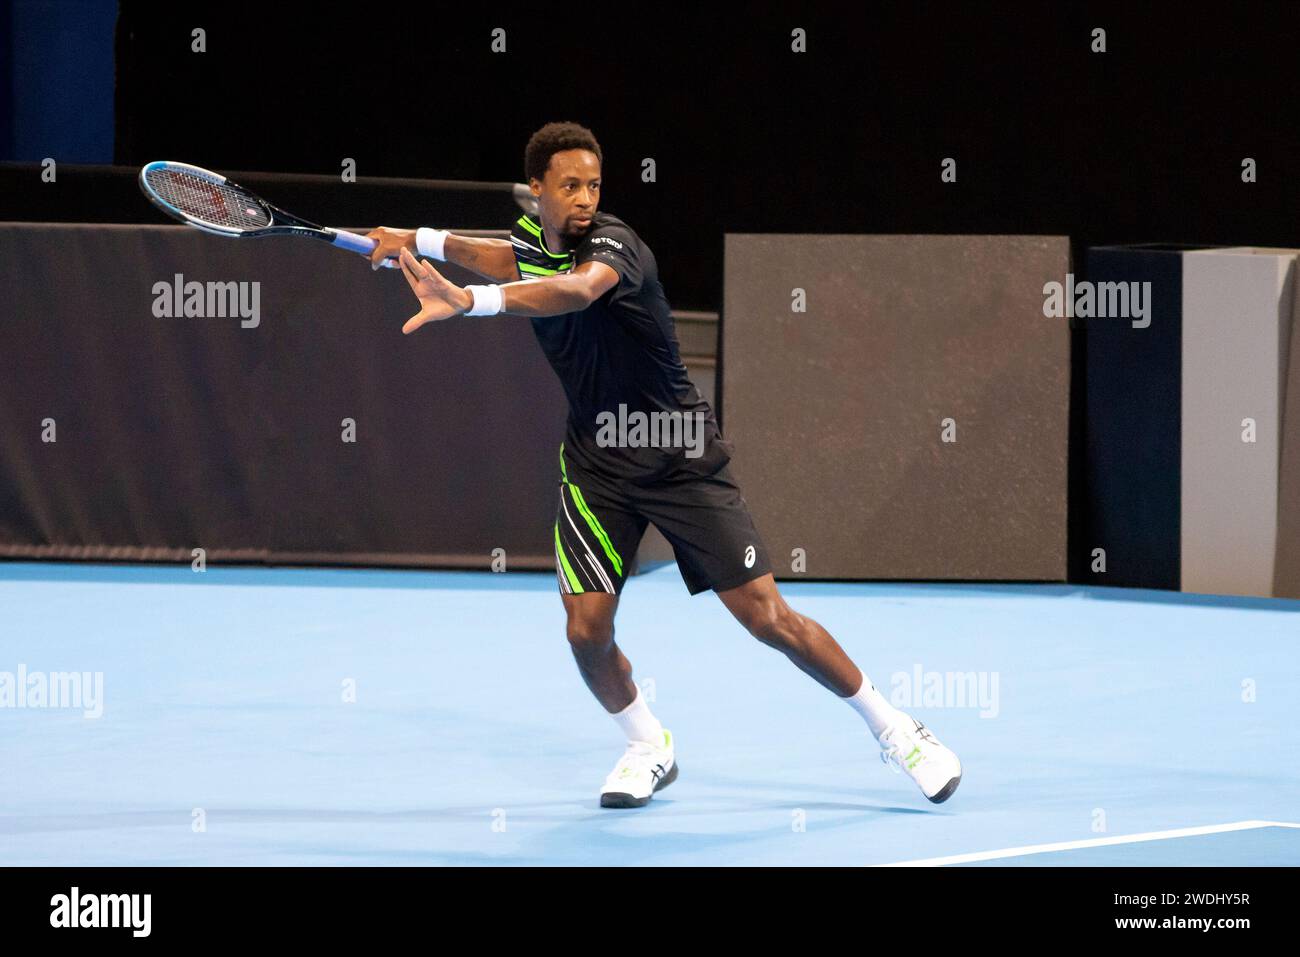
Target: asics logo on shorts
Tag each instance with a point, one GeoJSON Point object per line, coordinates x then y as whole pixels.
{"type": "Point", "coordinates": [749, 557]}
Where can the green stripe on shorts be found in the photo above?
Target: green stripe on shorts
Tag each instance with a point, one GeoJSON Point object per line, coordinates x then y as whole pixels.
{"type": "Point", "coordinates": [596, 527]}
{"type": "Point", "coordinates": [564, 561]}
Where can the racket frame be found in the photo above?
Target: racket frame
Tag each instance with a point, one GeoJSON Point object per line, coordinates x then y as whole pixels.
{"type": "Point", "coordinates": [280, 223]}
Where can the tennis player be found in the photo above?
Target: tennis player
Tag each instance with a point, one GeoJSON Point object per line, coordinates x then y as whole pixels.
{"type": "Point", "coordinates": [591, 288]}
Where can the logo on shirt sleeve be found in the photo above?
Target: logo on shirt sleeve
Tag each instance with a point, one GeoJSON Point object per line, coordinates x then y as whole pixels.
{"type": "Point", "coordinates": [605, 239]}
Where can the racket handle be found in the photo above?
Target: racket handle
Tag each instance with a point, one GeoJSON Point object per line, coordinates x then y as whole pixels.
{"type": "Point", "coordinates": [353, 242]}
{"type": "Point", "coordinates": [358, 244]}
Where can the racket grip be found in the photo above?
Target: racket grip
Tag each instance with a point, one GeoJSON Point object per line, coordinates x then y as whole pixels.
{"type": "Point", "coordinates": [352, 242]}
{"type": "Point", "coordinates": [358, 244]}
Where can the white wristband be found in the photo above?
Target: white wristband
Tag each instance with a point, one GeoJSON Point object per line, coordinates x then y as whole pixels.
{"type": "Point", "coordinates": [487, 300]}
{"type": "Point", "coordinates": [429, 242]}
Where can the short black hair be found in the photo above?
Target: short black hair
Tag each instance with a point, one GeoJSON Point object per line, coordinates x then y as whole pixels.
{"type": "Point", "coordinates": [556, 138]}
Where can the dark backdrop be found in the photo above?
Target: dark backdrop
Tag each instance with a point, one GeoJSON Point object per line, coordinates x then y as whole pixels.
{"type": "Point", "coordinates": [1142, 143]}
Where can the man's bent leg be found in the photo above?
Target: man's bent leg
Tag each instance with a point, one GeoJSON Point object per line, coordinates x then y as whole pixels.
{"type": "Point", "coordinates": [603, 666]}
{"type": "Point", "coordinates": [648, 764]}
{"type": "Point", "coordinates": [904, 741]}
{"type": "Point", "coordinates": [758, 606]}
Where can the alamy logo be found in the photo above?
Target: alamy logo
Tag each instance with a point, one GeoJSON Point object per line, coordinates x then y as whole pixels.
{"type": "Point", "coordinates": [208, 300]}
{"type": "Point", "coordinates": [102, 910]}
{"type": "Point", "coordinates": [945, 689]}
{"type": "Point", "coordinates": [1101, 300]}
{"type": "Point", "coordinates": [55, 689]}
{"type": "Point", "coordinates": [664, 430]}
{"type": "Point", "coordinates": [605, 239]}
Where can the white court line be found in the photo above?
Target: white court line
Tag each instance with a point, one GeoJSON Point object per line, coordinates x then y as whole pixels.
{"type": "Point", "coordinates": [1091, 842]}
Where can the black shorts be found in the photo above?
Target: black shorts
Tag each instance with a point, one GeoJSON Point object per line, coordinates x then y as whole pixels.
{"type": "Point", "coordinates": [600, 521]}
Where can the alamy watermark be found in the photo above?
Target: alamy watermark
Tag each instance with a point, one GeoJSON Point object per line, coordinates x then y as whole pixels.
{"type": "Point", "coordinates": [1098, 300]}
{"type": "Point", "coordinates": [945, 689]}
{"type": "Point", "coordinates": [76, 909]}
{"type": "Point", "coordinates": [82, 690]}
{"type": "Point", "coordinates": [208, 300]}
{"type": "Point", "coordinates": [639, 430]}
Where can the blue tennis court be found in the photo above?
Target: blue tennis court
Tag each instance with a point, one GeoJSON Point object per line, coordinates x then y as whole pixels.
{"type": "Point", "coordinates": [290, 716]}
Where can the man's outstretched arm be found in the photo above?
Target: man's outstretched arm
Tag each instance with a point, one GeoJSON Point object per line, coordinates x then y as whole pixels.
{"type": "Point", "coordinates": [551, 296]}
{"type": "Point", "coordinates": [492, 259]}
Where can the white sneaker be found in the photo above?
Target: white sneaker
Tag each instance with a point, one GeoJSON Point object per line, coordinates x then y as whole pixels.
{"type": "Point", "coordinates": [643, 770]}
{"type": "Point", "coordinates": [910, 746]}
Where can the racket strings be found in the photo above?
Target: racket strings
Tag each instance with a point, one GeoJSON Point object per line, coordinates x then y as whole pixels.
{"type": "Point", "coordinates": [216, 203]}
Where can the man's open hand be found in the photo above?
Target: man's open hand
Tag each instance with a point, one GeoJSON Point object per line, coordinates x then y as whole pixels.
{"type": "Point", "coordinates": [439, 299]}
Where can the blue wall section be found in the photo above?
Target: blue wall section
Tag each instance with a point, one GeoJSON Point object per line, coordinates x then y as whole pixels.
{"type": "Point", "coordinates": [57, 85]}
{"type": "Point", "coordinates": [1132, 441]}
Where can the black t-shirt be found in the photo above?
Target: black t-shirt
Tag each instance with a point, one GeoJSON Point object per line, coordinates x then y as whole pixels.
{"type": "Point", "coordinates": [633, 411]}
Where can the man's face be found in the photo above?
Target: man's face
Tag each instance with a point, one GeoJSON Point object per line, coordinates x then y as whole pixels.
{"type": "Point", "coordinates": [568, 195]}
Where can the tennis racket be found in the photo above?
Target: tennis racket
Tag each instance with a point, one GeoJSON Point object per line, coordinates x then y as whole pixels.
{"type": "Point", "coordinates": [212, 203]}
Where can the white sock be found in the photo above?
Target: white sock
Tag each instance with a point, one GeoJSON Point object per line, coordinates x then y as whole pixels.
{"type": "Point", "coordinates": [871, 704]}
{"type": "Point", "coordinates": [638, 723]}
